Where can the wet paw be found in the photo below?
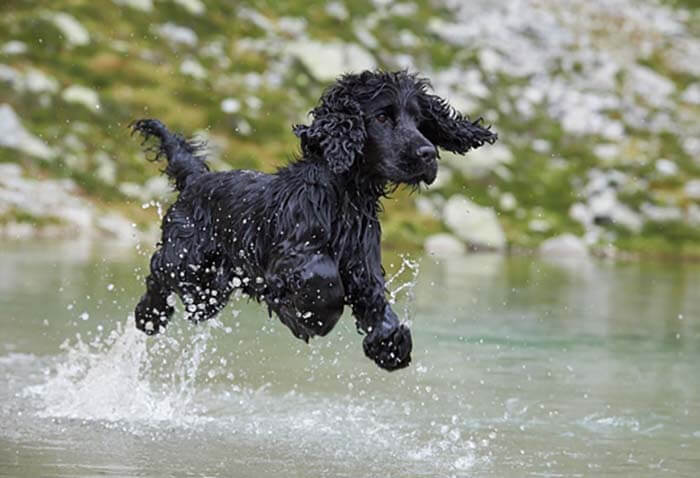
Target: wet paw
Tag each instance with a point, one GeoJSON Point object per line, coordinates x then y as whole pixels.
{"type": "Point", "coordinates": [389, 345]}
{"type": "Point", "coordinates": [151, 320]}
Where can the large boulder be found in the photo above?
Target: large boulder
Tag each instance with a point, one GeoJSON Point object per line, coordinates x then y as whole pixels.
{"type": "Point", "coordinates": [566, 245]}
{"type": "Point", "coordinates": [13, 135]}
{"type": "Point", "coordinates": [444, 245]}
{"type": "Point", "coordinates": [474, 224]}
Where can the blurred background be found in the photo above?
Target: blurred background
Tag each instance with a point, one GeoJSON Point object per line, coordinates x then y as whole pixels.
{"type": "Point", "coordinates": [597, 104]}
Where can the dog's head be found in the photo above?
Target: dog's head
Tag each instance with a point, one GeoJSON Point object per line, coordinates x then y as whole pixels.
{"type": "Point", "coordinates": [389, 126]}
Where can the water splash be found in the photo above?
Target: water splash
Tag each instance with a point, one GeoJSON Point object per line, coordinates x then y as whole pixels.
{"type": "Point", "coordinates": [114, 378]}
{"type": "Point", "coordinates": [404, 289]}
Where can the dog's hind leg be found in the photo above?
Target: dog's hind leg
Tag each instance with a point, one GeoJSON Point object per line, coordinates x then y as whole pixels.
{"type": "Point", "coordinates": [206, 288]}
{"type": "Point", "coordinates": [153, 310]}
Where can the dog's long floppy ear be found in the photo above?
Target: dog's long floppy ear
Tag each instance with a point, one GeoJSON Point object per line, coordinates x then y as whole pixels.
{"type": "Point", "coordinates": [447, 128]}
{"type": "Point", "coordinates": [337, 131]}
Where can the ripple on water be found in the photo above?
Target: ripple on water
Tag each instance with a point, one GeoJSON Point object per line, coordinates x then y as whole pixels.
{"type": "Point", "coordinates": [115, 381]}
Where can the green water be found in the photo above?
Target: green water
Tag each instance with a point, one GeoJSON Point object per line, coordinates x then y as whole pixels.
{"type": "Point", "coordinates": [522, 367]}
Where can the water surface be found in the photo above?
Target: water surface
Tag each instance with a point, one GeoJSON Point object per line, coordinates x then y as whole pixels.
{"type": "Point", "coordinates": [522, 367]}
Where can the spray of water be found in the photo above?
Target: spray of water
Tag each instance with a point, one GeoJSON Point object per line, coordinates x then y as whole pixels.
{"type": "Point", "coordinates": [112, 378]}
{"type": "Point", "coordinates": [404, 290]}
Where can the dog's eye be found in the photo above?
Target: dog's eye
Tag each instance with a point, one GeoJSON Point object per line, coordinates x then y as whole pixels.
{"type": "Point", "coordinates": [382, 117]}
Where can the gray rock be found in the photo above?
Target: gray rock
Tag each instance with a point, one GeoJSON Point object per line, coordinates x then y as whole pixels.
{"type": "Point", "coordinates": [606, 207]}
{"type": "Point", "coordinates": [661, 213]}
{"type": "Point", "coordinates": [82, 95]}
{"type": "Point", "coordinates": [666, 167]}
{"type": "Point", "coordinates": [691, 94]}
{"type": "Point", "coordinates": [193, 68]}
{"type": "Point", "coordinates": [337, 10]}
{"type": "Point", "coordinates": [195, 7]}
{"type": "Point", "coordinates": [177, 34]}
{"type": "Point", "coordinates": [143, 5]}
{"type": "Point", "coordinates": [476, 225]}
{"type": "Point", "coordinates": [327, 60]}
{"type": "Point", "coordinates": [13, 135]}
{"type": "Point", "coordinates": [230, 105]}
{"type": "Point", "coordinates": [444, 245]}
{"type": "Point", "coordinates": [692, 189]}
{"type": "Point", "coordinates": [480, 162]}
{"type": "Point", "coordinates": [427, 207]}
{"type": "Point", "coordinates": [72, 30]}
{"type": "Point", "coordinates": [507, 202]}
{"type": "Point", "coordinates": [14, 47]}
{"type": "Point", "coordinates": [565, 245]}
{"type": "Point", "coordinates": [116, 227]}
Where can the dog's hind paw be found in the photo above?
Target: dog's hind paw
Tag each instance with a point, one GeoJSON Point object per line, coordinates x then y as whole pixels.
{"type": "Point", "coordinates": [389, 345]}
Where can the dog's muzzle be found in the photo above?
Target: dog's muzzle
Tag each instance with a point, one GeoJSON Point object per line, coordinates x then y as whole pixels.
{"type": "Point", "coordinates": [427, 155]}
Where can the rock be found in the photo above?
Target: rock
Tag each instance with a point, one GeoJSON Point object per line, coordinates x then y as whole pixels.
{"type": "Point", "coordinates": [605, 207]}
{"type": "Point", "coordinates": [83, 96]}
{"type": "Point", "coordinates": [33, 80]}
{"type": "Point", "coordinates": [607, 151]}
{"type": "Point", "coordinates": [692, 146]}
{"type": "Point", "coordinates": [476, 225]}
{"type": "Point", "coordinates": [364, 36]}
{"type": "Point", "coordinates": [650, 85]}
{"type": "Point", "coordinates": [13, 135]}
{"type": "Point", "coordinates": [37, 81]}
{"type": "Point", "coordinates": [327, 60]}
{"type": "Point", "coordinates": [580, 213]}
{"type": "Point", "coordinates": [106, 168]}
{"type": "Point", "coordinates": [230, 105]}
{"type": "Point", "coordinates": [74, 33]}
{"type": "Point", "coordinates": [143, 5]}
{"type": "Point", "coordinates": [507, 202]}
{"type": "Point", "coordinates": [193, 68]}
{"type": "Point", "coordinates": [443, 178]}
{"type": "Point", "coordinates": [565, 245]}
{"type": "Point", "coordinates": [177, 34]}
{"type": "Point", "coordinates": [480, 162]}
{"type": "Point", "coordinates": [116, 227]}
{"type": "Point", "coordinates": [10, 170]}
{"type": "Point", "coordinates": [541, 146]}
{"type": "Point", "coordinates": [691, 94]}
{"type": "Point", "coordinates": [539, 225]}
{"type": "Point", "coordinates": [11, 76]}
{"type": "Point", "coordinates": [692, 189]}
{"type": "Point", "coordinates": [661, 213]}
{"type": "Point", "coordinates": [157, 187]}
{"type": "Point", "coordinates": [444, 245]}
{"type": "Point", "coordinates": [693, 215]}
{"type": "Point", "coordinates": [427, 207]}
{"type": "Point", "coordinates": [336, 9]}
{"type": "Point", "coordinates": [195, 7]}
{"type": "Point", "coordinates": [666, 167]}
{"type": "Point", "coordinates": [14, 47]}
{"type": "Point", "coordinates": [294, 27]}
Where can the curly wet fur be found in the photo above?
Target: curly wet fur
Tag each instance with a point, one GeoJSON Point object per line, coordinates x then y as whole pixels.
{"type": "Point", "coordinates": [306, 239]}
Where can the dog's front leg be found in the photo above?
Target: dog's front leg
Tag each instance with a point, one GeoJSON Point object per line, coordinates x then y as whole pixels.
{"type": "Point", "coordinates": [387, 341]}
{"type": "Point", "coordinates": [304, 289]}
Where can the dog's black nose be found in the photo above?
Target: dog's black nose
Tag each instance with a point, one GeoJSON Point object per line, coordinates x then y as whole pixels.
{"type": "Point", "coordinates": [426, 153]}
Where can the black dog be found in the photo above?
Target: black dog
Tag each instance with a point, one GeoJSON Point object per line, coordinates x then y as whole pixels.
{"type": "Point", "coordinates": [306, 239]}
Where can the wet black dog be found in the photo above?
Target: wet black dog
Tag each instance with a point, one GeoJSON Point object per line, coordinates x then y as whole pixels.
{"type": "Point", "coordinates": [305, 240]}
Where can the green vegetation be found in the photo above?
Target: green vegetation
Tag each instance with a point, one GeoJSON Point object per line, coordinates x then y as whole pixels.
{"type": "Point", "coordinates": [180, 66]}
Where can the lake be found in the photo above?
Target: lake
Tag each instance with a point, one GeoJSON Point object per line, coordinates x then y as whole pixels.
{"type": "Point", "coordinates": [521, 367]}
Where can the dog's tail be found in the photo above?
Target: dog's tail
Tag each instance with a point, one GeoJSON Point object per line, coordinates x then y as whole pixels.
{"type": "Point", "coordinates": [185, 157]}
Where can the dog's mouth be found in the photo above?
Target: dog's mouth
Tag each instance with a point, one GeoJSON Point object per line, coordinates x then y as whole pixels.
{"type": "Point", "coordinates": [427, 176]}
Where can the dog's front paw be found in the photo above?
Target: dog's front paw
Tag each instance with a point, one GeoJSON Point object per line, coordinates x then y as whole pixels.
{"type": "Point", "coordinates": [389, 345]}
{"type": "Point", "coordinates": [149, 319]}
